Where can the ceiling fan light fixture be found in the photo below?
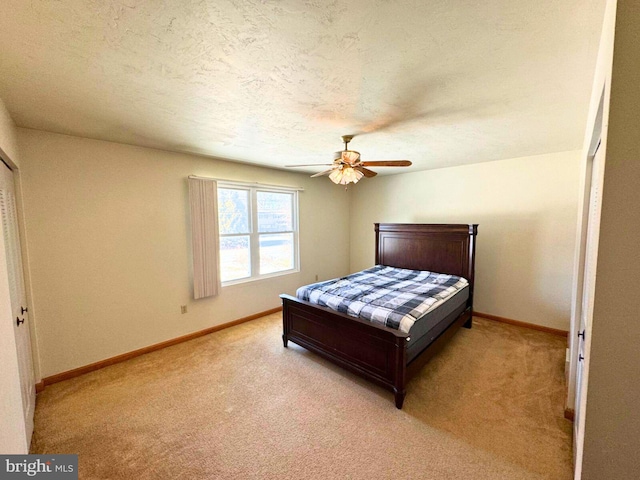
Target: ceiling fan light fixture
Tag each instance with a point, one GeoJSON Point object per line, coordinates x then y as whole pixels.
{"type": "Point", "coordinates": [347, 166]}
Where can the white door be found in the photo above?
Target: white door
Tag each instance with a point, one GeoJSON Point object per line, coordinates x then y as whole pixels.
{"type": "Point", "coordinates": [588, 291]}
{"type": "Point", "coordinates": [20, 314]}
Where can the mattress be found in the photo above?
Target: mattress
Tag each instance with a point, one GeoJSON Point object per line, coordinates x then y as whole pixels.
{"type": "Point", "coordinates": [426, 328]}
{"type": "Point", "coordinates": [390, 296]}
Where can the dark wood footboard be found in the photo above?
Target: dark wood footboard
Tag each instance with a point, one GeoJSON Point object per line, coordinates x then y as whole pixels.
{"type": "Point", "coordinates": [374, 352]}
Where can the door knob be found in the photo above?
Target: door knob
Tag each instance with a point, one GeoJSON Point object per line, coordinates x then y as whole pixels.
{"type": "Point", "coordinates": [24, 309]}
{"type": "Point", "coordinates": [18, 321]}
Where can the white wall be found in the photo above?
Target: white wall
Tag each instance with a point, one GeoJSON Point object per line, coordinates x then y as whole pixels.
{"type": "Point", "coordinates": [107, 233]}
{"type": "Point", "coordinates": [526, 208]}
{"type": "Point", "coordinates": [107, 230]}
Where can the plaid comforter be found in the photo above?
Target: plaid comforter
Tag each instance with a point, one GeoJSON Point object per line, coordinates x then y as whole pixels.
{"type": "Point", "coordinates": [394, 297]}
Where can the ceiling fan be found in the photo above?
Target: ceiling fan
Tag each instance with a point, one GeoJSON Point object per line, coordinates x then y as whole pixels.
{"type": "Point", "coordinates": [347, 167]}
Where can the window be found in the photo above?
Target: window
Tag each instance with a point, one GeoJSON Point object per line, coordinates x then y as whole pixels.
{"type": "Point", "coordinates": [258, 232]}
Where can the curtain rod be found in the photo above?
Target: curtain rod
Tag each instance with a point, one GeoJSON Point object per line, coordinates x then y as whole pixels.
{"type": "Point", "coordinates": [249, 184]}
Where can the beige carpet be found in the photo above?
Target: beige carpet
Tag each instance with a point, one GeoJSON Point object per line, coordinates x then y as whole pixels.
{"type": "Point", "coordinates": [235, 404]}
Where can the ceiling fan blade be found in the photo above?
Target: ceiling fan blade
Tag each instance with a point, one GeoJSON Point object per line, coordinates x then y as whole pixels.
{"type": "Point", "coordinates": [320, 174]}
{"type": "Point", "coordinates": [366, 171]}
{"type": "Point", "coordinates": [387, 163]}
{"type": "Point", "coordinates": [310, 165]}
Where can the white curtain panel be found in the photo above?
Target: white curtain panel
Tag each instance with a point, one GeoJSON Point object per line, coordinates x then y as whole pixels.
{"type": "Point", "coordinates": [203, 200]}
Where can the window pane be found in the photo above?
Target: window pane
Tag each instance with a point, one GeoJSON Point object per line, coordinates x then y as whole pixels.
{"type": "Point", "coordinates": [233, 211]}
{"type": "Point", "coordinates": [276, 253]}
{"type": "Point", "coordinates": [235, 258]}
{"type": "Point", "coordinates": [275, 212]}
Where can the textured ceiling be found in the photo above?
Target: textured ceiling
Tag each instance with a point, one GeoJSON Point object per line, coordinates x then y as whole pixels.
{"type": "Point", "coordinates": [439, 82]}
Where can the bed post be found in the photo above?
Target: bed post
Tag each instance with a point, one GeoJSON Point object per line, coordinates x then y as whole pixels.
{"type": "Point", "coordinates": [473, 231]}
{"type": "Point", "coordinates": [286, 322]}
{"type": "Point", "coordinates": [399, 389]}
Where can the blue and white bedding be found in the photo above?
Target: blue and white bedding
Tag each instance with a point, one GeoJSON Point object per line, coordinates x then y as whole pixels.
{"type": "Point", "coordinates": [394, 297]}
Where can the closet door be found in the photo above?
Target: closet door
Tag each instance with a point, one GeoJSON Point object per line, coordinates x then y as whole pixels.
{"type": "Point", "coordinates": [588, 291]}
{"type": "Point", "coordinates": [20, 314]}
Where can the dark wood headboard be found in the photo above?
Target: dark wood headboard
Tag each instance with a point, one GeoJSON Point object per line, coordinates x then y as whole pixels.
{"type": "Point", "coordinates": [442, 248]}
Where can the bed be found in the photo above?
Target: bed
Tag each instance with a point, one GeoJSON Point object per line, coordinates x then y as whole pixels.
{"type": "Point", "coordinates": [384, 355]}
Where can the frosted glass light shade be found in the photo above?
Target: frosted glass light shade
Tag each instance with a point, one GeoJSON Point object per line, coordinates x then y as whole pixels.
{"type": "Point", "coordinates": [350, 175]}
{"type": "Point", "coordinates": [346, 175]}
{"type": "Point", "coordinates": [336, 176]}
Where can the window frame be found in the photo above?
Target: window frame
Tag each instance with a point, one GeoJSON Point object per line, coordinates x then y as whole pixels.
{"type": "Point", "coordinates": [254, 233]}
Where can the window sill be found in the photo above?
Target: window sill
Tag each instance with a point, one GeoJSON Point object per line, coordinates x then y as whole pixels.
{"type": "Point", "coordinates": [267, 276]}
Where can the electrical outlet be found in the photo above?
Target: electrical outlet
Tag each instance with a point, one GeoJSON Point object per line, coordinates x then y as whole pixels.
{"type": "Point", "coordinates": [183, 309]}
{"type": "Point", "coordinates": [316, 277]}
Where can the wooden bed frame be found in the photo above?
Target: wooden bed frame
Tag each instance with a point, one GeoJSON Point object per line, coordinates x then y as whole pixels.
{"type": "Point", "coordinates": [376, 352]}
